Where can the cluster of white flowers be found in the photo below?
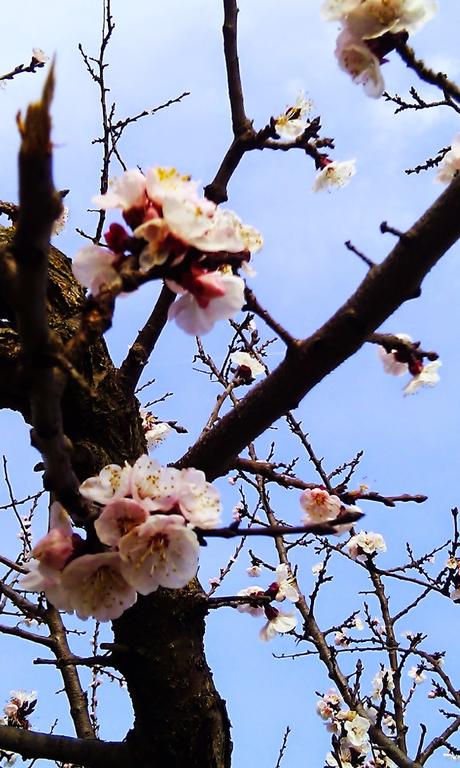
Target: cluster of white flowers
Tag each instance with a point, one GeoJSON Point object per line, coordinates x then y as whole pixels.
{"type": "Point", "coordinates": [281, 589]}
{"type": "Point", "coordinates": [146, 524]}
{"type": "Point", "coordinates": [365, 544]}
{"type": "Point", "coordinates": [361, 45]}
{"type": "Point", "coordinates": [320, 506]}
{"type": "Point", "coordinates": [175, 228]}
{"type": "Point", "coordinates": [398, 362]}
{"type": "Point", "coordinates": [350, 729]}
{"type": "Point", "coordinates": [18, 710]}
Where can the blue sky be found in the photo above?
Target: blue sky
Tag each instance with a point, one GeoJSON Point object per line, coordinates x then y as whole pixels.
{"type": "Point", "coordinates": [304, 273]}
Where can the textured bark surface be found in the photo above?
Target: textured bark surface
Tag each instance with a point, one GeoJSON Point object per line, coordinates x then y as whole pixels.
{"type": "Point", "coordinates": [180, 720]}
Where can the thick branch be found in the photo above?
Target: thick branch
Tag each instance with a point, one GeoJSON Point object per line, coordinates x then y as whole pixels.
{"type": "Point", "coordinates": [91, 754]}
{"type": "Point", "coordinates": [383, 290]}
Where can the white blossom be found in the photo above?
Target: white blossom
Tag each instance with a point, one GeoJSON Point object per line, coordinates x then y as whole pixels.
{"type": "Point", "coordinates": [292, 123]}
{"type": "Point", "coordinates": [365, 543]}
{"type": "Point", "coordinates": [278, 624]}
{"type": "Point", "coordinates": [245, 360]}
{"type": "Point", "coordinates": [125, 192]}
{"type": "Point", "coordinates": [389, 360]}
{"type": "Point", "coordinates": [383, 678]}
{"type": "Point", "coordinates": [253, 610]}
{"type": "Point", "coordinates": [334, 174]}
{"type": "Point", "coordinates": [329, 704]}
{"type": "Point", "coordinates": [357, 731]}
{"type": "Point", "coordinates": [162, 552]}
{"type": "Point", "coordinates": [93, 266]}
{"type": "Point", "coordinates": [39, 55]}
{"type": "Point", "coordinates": [417, 674]}
{"type": "Point", "coordinates": [112, 482]}
{"type": "Point", "coordinates": [319, 505]}
{"type": "Point", "coordinates": [60, 223]}
{"type": "Point", "coordinates": [363, 66]}
{"type": "Point", "coordinates": [254, 571]}
{"type": "Point", "coordinates": [94, 585]}
{"type": "Point", "coordinates": [450, 165]}
{"type": "Point", "coordinates": [198, 320]}
{"type": "Point", "coordinates": [284, 585]}
{"type": "Point", "coordinates": [428, 377]}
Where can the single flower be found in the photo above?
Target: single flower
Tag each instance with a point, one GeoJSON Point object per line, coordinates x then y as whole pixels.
{"type": "Point", "coordinates": [196, 319]}
{"type": "Point", "coordinates": [428, 377]}
{"type": "Point", "coordinates": [162, 552]}
{"type": "Point", "coordinates": [334, 174]}
{"type": "Point", "coordinates": [365, 543]}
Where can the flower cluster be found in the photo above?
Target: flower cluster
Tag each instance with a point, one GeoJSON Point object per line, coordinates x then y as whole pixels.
{"type": "Point", "coordinates": [146, 529]}
{"type": "Point", "coordinates": [281, 589]}
{"type": "Point", "coordinates": [368, 33]}
{"type": "Point", "coordinates": [350, 729]}
{"type": "Point", "coordinates": [320, 506]}
{"type": "Point", "coordinates": [365, 544]}
{"type": "Point", "coordinates": [19, 708]}
{"type": "Point", "coordinates": [397, 362]}
{"type": "Point", "coordinates": [453, 564]}
{"type": "Point", "coordinates": [195, 246]}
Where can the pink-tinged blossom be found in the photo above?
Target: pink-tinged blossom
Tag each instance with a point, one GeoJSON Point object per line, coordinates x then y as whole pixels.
{"type": "Point", "coordinates": [250, 365]}
{"type": "Point", "coordinates": [199, 501]}
{"type": "Point", "coordinates": [390, 361]}
{"type": "Point", "coordinates": [160, 489]}
{"type": "Point", "coordinates": [365, 543]}
{"type": "Point", "coordinates": [42, 578]}
{"type": "Point", "coordinates": [253, 610]}
{"type": "Point", "coordinates": [125, 192]}
{"type": "Point", "coordinates": [363, 66]}
{"type": "Point", "coordinates": [329, 704]}
{"type": "Point", "coordinates": [373, 18]}
{"type": "Point", "coordinates": [112, 482]}
{"type": "Point", "coordinates": [293, 122]}
{"type": "Point", "coordinates": [39, 55]}
{"type": "Point", "coordinates": [319, 505]}
{"type": "Point", "coordinates": [162, 552]}
{"type": "Point", "coordinates": [450, 165]}
{"type": "Point", "coordinates": [254, 571]}
{"type": "Point", "coordinates": [428, 377]}
{"type": "Point", "coordinates": [334, 174]}
{"type": "Point", "coordinates": [284, 586]}
{"type": "Point", "coordinates": [117, 519]}
{"type": "Point", "coordinates": [341, 640]}
{"type": "Point", "coordinates": [198, 320]}
{"type": "Point", "coordinates": [93, 266]}
{"type": "Point", "coordinates": [54, 549]}
{"type": "Point", "coordinates": [94, 586]}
